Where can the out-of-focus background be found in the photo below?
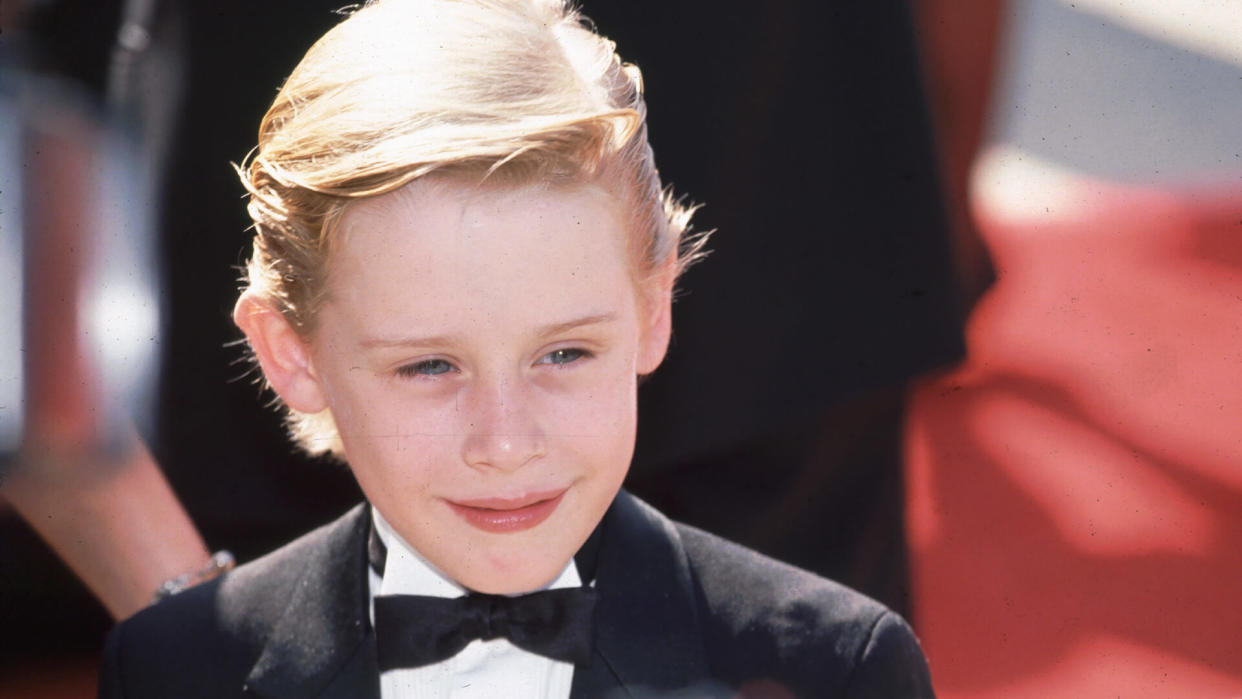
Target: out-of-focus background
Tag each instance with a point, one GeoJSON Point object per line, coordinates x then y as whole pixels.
{"type": "Point", "coordinates": [970, 339]}
{"type": "Point", "coordinates": [1075, 485]}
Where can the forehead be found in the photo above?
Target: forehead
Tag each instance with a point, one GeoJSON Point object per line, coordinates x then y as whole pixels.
{"type": "Point", "coordinates": [447, 254]}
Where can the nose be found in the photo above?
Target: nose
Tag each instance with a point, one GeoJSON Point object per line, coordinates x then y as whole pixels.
{"type": "Point", "coordinates": [503, 430]}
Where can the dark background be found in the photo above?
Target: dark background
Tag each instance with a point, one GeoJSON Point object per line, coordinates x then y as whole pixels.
{"type": "Point", "coordinates": [776, 420]}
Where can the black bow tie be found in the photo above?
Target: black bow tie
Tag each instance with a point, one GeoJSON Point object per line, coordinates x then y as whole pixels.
{"type": "Point", "coordinates": [414, 630]}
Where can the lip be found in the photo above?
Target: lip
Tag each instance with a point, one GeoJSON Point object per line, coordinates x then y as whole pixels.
{"type": "Point", "coordinates": [505, 515]}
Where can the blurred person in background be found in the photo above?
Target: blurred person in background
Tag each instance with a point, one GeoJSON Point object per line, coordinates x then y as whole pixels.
{"type": "Point", "coordinates": [79, 326]}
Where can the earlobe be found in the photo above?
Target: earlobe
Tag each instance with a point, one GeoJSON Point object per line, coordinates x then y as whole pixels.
{"type": "Point", "coordinates": [283, 355]}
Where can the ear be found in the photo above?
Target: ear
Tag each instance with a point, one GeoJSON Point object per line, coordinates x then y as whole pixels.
{"type": "Point", "coordinates": [283, 355]}
{"type": "Point", "coordinates": [656, 320]}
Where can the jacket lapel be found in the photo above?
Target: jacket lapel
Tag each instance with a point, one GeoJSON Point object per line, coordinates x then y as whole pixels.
{"type": "Point", "coordinates": [648, 638]}
{"type": "Point", "coordinates": [323, 646]}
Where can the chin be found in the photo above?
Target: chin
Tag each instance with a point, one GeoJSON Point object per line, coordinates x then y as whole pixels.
{"type": "Point", "coordinates": [512, 572]}
{"type": "Point", "coordinates": [511, 582]}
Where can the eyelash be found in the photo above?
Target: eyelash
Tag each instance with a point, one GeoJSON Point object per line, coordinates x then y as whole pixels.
{"type": "Point", "coordinates": [422, 368]}
{"type": "Point", "coordinates": [577, 352]}
{"type": "Point", "coordinates": [417, 369]}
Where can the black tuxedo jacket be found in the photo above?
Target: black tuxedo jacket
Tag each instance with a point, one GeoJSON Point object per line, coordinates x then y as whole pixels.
{"type": "Point", "coordinates": [680, 612]}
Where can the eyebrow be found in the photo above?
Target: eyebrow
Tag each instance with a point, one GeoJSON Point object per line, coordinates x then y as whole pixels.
{"type": "Point", "coordinates": [558, 328]}
{"type": "Point", "coordinates": [441, 340]}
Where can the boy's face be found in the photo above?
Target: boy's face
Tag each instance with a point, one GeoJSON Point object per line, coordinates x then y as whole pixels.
{"type": "Point", "coordinates": [479, 350]}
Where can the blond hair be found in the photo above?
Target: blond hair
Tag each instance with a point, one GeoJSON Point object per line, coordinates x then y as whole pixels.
{"type": "Point", "coordinates": [514, 90]}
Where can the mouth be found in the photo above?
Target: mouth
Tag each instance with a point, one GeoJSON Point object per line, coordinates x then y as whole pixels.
{"type": "Point", "coordinates": [504, 515]}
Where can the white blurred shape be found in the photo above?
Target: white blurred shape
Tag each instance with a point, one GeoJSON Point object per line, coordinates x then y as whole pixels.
{"type": "Point", "coordinates": [1099, 97]}
{"type": "Point", "coordinates": [121, 314]}
{"type": "Point", "coordinates": [10, 278]}
{"type": "Point", "coordinates": [1209, 27]}
{"type": "Point", "coordinates": [1020, 186]}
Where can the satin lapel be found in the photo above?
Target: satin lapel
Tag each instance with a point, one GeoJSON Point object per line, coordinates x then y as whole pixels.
{"type": "Point", "coordinates": [322, 646]}
{"type": "Point", "coordinates": [648, 638]}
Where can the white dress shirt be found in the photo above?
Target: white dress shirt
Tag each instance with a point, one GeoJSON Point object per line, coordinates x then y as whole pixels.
{"type": "Point", "coordinates": [483, 669]}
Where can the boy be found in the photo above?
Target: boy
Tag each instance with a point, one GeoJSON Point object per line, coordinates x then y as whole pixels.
{"type": "Point", "coordinates": [463, 261]}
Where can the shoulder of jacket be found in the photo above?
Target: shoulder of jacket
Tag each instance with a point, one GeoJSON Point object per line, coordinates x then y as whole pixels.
{"type": "Point", "coordinates": [233, 613]}
{"type": "Point", "coordinates": [752, 588]}
{"type": "Point", "coordinates": [772, 622]}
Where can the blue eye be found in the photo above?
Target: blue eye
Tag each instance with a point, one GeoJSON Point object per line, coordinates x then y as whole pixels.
{"type": "Point", "coordinates": [427, 367]}
{"type": "Point", "coordinates": [563, 356]}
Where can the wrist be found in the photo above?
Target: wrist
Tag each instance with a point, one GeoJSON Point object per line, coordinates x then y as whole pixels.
{"type": "Point", "coordinates": [219, 563]}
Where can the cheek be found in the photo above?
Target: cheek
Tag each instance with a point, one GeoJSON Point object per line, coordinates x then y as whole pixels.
{"type": "Point", "coordinates": [611, 406]}
{"type": "Point", "coordinates": [600, 416]}
{"type": "Point", "coordinates": [388, 433]}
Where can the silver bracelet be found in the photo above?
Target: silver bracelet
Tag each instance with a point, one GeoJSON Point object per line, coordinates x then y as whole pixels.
{"type": "Point", "coordinates": [221, 562]}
